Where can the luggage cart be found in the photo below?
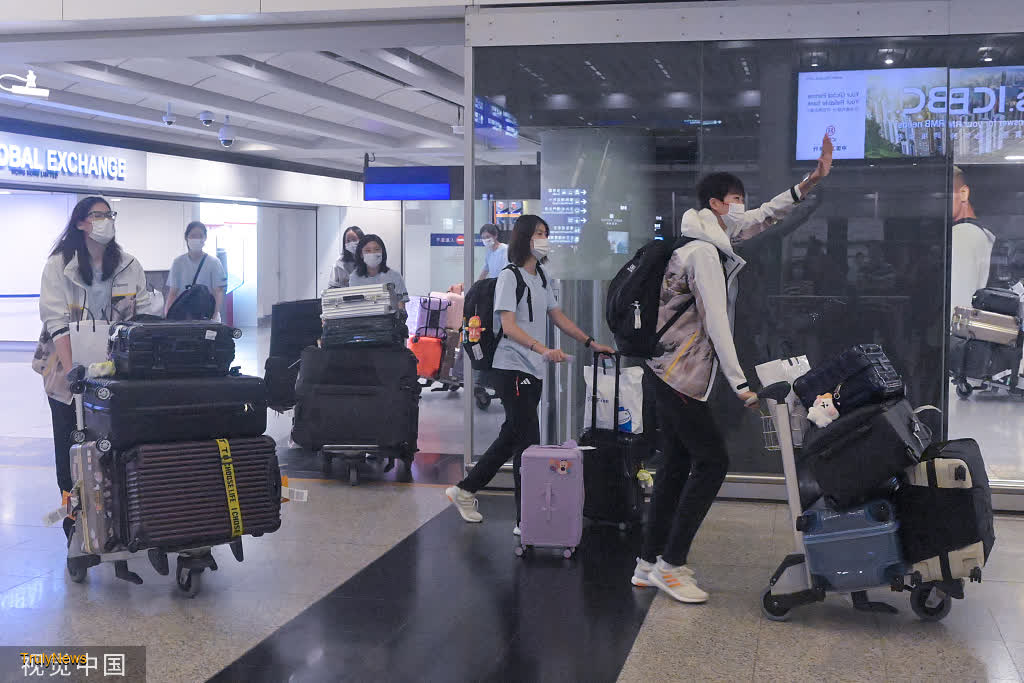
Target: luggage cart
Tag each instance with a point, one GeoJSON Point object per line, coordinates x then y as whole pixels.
{"type": "Point", "coordinates": [792, 585]}
{"type": "Point", "coordinates": [354, 454]}
{"type": "Point", "coordinates": [191, 562]}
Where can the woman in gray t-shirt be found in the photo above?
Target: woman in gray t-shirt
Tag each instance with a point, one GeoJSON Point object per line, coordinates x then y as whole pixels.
{"type": "Point", "coordinates": [372, 268]}
{"type": "Point", "coordinates": [197, 266]}
{"type": "Point", "coordinates": [520, 359]}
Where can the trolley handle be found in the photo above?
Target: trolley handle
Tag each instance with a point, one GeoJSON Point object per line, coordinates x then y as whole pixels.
{"type": "Point", "coordinates": [775, 392]}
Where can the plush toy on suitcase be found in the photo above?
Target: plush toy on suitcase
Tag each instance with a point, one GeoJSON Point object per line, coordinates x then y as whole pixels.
{"type": "Point", "coordinates": [551, 514]}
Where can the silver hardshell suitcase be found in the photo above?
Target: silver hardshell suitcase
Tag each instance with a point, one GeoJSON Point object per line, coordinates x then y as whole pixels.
{"type": "Point", "coordinates": [358, 302]}
{"type": "Point", "coordinates": [972, 323]}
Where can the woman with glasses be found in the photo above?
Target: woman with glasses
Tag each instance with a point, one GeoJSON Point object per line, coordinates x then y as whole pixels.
{"type": "Point", "coordinates": [87, 276]}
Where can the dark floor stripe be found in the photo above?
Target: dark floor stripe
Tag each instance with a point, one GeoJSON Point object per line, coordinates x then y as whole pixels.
{"type": "Point", "coordinates": [427, 468]}
{"type": "Point", "coordinates": [452, 603]}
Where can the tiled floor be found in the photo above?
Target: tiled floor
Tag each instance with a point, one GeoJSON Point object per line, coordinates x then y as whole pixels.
{"type": "Point", "coordinates": [728, 640]}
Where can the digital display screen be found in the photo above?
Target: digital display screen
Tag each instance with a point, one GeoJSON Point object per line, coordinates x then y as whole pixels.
{"type": "Point", "coordinates": [904, 113]}
{"type": "Point", "coordinates": [387, 183]}
{"type": "Point", "coordinates": [494, 122]}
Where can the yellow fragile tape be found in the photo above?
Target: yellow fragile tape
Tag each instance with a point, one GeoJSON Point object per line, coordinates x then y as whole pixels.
{"type": "Point", "coordinates": [228, 469]}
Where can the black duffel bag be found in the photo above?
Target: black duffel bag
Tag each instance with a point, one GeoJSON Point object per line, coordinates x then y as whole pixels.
{"type": "Point", "coordinates": [857, 456]}
{"type": "Point", "coordinates": [859, 375]}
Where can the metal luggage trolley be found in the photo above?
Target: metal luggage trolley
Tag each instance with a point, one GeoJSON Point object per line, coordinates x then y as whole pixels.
{"type": "Point", "coordinates": [191, 562]}
{"type": "Point", "coordinates": [792, 585]}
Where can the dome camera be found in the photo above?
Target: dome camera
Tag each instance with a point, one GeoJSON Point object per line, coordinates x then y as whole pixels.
{"type": "Point", "coordinates": [226, 135]}
{"type": "Point", "coordinates": [169, 118]}
{"type": "Point", "coordinates": [205, 117]}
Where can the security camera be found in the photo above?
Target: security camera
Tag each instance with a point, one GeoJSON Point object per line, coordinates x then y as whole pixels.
{"type": "Point", "coordinates": [169, 117]}
{"type": "Point", "coordinates": [205, 117]}
{"type": "Point", "coordinates": [226, 135]}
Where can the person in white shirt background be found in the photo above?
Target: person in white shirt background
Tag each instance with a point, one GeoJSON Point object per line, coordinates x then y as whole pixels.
{"type": "Point", "coordinates": [198, 266]}
{"type": "Point", "coordinates": [347, 261]}
{"type": "Point", "coordinates": [972, 246]}
{"type": "Point", "coordinates": [496, 253]}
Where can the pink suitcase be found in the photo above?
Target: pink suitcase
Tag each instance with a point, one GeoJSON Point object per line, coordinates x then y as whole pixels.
{"type": "Point", "coordinates": [552, 498]}
{"type": "Point", "coordinates": [457, 302]}
{"type": "Point", "coordinates": [428, 317]}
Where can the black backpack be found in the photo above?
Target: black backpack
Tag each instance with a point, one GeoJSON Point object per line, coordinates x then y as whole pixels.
{"type": "Point", "coordinates": [634, 297]}
{"type": "Point", "coordinates": [195, 303]}
{"type": "Point", "coordinates": [480, 304]}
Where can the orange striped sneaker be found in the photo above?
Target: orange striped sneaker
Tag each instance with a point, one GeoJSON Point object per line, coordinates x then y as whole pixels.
{"type": "Point", "coordinates": [642, 574]}
{"type": "Point", "coordinates": [678, 582]}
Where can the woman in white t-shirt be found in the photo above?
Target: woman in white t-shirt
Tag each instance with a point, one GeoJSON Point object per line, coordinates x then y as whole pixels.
{"type": "Point", "coordinates": [520, 360]}
{"type": "Point", "coordinates": [197, 267]}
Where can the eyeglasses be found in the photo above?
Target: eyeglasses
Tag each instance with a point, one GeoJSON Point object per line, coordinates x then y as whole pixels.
{"type": "Point", "coordinates": [98, 215]}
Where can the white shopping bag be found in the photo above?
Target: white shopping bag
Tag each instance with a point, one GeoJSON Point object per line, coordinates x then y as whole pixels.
{"type": "Point", "coordinates": [89, 341]}
{"type": "Point", "coordinates": [631, 399]}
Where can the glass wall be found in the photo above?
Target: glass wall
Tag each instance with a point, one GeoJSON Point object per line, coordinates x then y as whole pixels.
{"type": "Point", "coordinates": [866, 258]}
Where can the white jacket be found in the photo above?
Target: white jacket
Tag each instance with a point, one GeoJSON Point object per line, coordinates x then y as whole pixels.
{"type": "Point", "coordinates": [62, 296]}
{"type": "Point", "coordinates": [971, 262]}
{"type": "Point", "coordinates": [705, 271]}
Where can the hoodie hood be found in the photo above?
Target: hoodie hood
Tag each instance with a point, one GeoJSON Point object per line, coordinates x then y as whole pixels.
{"type": "Point", "coordinates": [703, 225]}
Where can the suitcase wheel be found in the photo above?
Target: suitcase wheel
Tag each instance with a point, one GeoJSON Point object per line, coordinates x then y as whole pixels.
{"type": "Point", "coordinates": [964, 390]}
{"type": "Point", "coordinates": [519, 550]}
{"type": "Point", "coordinates": [104, 445]}
{"type": "Point", "coordinates": [78, 436]}
{"type": "Point", "coordinates": [77, 574]}
{"type": "Point", "coordinates": [236, 333]}
{"type": "Point", "coordinates": [188, 581]}
{"type": "Point", "coordinates": [771, 609]}
{"type": "Point", "coordinates": [568, 553]}
{"type": "Point", "coordinates": [103, 393]}
{"type": "Point", "coordinates": [928, 607]}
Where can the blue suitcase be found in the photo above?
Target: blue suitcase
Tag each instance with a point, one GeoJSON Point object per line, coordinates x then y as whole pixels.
{"type": "Point", "coordinates": [852, 550]}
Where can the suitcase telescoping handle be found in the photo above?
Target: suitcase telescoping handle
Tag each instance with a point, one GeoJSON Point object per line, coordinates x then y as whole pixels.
{"type": "Point", "coordinates": [593, 396]}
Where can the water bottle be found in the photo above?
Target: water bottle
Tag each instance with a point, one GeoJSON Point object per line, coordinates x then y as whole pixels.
{"type": "Point", "coordinates": [625, 420]}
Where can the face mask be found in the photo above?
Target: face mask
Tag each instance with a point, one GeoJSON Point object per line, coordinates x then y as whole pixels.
{"type": "Point", "coordinates": [373, 260]}
{"type": "Point", "coordinates": [488, 242]}
{"type": "Point", "coordinates": [196, 243]}
{"type": "Point", "coordinates": [350, 247]}
{"type": "Point", "coordinates": [541, 248]}
{"type": "Point", "coordinates": [736, 219]}
{"type": "Point", "coordinates": [102, 231]}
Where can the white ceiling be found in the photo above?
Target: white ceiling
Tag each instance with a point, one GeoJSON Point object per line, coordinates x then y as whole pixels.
{"type": "Point", "coordinates": [321, 94]}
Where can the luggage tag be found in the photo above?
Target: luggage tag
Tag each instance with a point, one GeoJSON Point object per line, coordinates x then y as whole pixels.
{"type": "Point", "coordinates": [645, 477]}
{"type": "Point", "coordinates": [289, 494]}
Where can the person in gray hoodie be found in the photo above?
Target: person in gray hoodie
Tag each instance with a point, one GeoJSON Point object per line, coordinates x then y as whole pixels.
{"type": "Point", "coordinates": [702, 271]}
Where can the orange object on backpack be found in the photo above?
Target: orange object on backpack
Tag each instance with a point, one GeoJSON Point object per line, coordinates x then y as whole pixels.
{"type": "Point", "coordinates": [428, 351]}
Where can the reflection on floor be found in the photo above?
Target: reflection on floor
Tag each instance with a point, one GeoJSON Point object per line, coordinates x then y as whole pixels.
{"type": "Point", "coordinates": [996, 421]}
{"type": "Point", "coordinates": [457, 589]}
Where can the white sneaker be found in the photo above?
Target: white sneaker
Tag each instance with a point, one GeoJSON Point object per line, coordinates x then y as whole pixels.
{"type": "Point", "coordinates": [465, 502]}
{"type": "Point", "coordinates": [516, 531]}
{"type": "Point", "coordinates": [678, 582]}
{"type": "Point", "coordinates": [641, 575]}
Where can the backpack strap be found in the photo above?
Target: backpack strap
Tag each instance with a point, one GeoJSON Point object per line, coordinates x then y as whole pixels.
{"type": "Point", "coordinates": [521, 287]}
{"type": "Point", "coordinates": [198, 270]}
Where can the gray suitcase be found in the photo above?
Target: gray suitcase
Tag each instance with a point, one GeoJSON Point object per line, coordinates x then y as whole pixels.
{"type": "Point", "coordinates": [971, 323]}
{"type": "Point", "coordinates": [359, 302]}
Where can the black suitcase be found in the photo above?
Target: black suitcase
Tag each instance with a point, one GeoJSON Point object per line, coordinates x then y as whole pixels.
{"type": "Point", "coordinates": [374, 330]}
{"type": "Point", "coordinates": [176, 494]}
{"type": "Point", "coordinates": [612, 492]}
{"type": "Point", "coordinates": [859, 454]}
{"type": "Point", "coordinates": [294, 325]}
{"type": "Point", "coordinates": [358, 398]}
{"type": "Point", "coordinates": [148, 350]}
{"type": "Point", "coordinates": [979, 359]}
{"type": "Point", "coordinates": [368, 367]}
{"type": "Point", "coordinates": [858, 376]}
{"type": "Point", "coordinates": [994, 300]}
{"type": "Point", "coordinates": [128, 412]}
{"type": "Point", "coordinates": [945, 507]}
{"type": "Point", "coordinates": [280, 376]}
